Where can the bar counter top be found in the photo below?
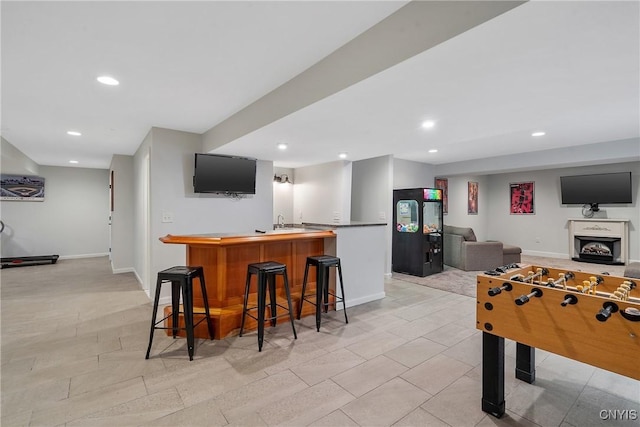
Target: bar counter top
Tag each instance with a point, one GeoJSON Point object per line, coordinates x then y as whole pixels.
{"type": "Point", "coordinates": [247, 237]}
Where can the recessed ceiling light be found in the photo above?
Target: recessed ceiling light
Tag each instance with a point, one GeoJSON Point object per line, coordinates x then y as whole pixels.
{"type": "Point", "coordinates": [538, 134]}
{"type": "Point", "coordinates": [73, 161]}
{"type": "Point", "coordinates": [282, 146]}
{"type": "Point", "coordinates": [73, 133]}
{"type": "Point", "coordinates": [428, 124]}
{"type": "Point", "coordinates": [433, 150]}
{"type": "Point", "coordinates": [342, 155]}
{"type": "Point", "coordinates": [107, 80]}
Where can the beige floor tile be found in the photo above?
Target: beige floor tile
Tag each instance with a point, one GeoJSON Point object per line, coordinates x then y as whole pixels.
{"type": "Point", "coordinates": [206, 413]}
{"type": "Point", "coordinates": [595, 408]}
{"type": "Point", "coordinates": [545, 402]}
{"type": "Point", "coordinates": [415, 352]}
{"type": "Point", "coordinates": [451, 334]}
{"type": "Point", "coordinates": [386, 404]}
{"type": "Point", "coordinates": [327, 366]}
{"type": "Point", "coordinates": [458, 404]}
{"type": "Point", "coordinates": [618, 385]}
{"type": "Point", "coordinates": [306, 406]}
{"type": "Point", "coordinates": [468, 351]}
{"type": "Point", "coordinates": [90, 332]}
{"type": "Point", "coordinates": [336, 418]}
{"type": "Point", "coordinates": [509, 419]}
{"type": "Point", "coordinates": [134, 412]}
{"type": "Point", "coordinates": [35, 397]}
{"type": "Point", "coordinates": [420, 417]}
{"type": "Point", "coordinates": [88, 403]}
{"type": "Point", "coordinates": [246, 400]}
{"type": "Point", "coordinates": [371, 347]}
{"type": "Point", "coordinates": [436, 373]}
{"type": "Point", "coordinates": [369, 375]}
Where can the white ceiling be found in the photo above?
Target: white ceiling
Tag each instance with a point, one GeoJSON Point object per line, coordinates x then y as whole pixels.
{"type": "Point", "coordinates": [570, 68]}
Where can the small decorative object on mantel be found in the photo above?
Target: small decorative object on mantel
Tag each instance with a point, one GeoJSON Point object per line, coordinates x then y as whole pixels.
{"type": "Point", "coordinates": [521, 198]}
{"type": "Point", "coordinates": [472, 202]}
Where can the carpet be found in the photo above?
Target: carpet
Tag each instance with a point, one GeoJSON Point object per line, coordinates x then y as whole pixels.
{"type": "Point", "coordinates": [464, 282]}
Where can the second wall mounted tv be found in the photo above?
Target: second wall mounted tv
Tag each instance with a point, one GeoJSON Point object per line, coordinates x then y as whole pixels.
{"type": "Point", "coordinates": [214, 173]}
{"type": "Point", "coordinates": [606, 188]}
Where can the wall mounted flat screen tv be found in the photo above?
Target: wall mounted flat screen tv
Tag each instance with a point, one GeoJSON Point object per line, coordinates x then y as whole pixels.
{"type": "Point", "coordinates": [214, 173]}
{"type": "Point", "coordinates": [607, 188]}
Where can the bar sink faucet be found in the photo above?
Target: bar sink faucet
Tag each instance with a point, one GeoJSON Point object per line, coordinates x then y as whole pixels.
{"type": "Point", "coordinates": [280, 221]}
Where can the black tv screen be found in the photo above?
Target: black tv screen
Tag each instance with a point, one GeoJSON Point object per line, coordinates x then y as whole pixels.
{"type": "Point", "coordinates": [607, 188]}
{"type": "Point", "coordinates": [215, 173]}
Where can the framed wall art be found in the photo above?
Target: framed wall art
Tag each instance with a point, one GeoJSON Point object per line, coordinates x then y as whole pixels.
{"type": "Point", "coordinates": [472, 200]}
{"type": "Point", "coordinates": [521, 196]}
{"type": "Point", "coordinates": [22, 188]}
{"type": "Point", "coordinates": [443, 184]}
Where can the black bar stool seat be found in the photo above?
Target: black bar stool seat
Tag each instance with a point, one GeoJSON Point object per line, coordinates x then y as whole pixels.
{"type": "Point", "coordinates": [266, 273]}
{"type": "Point", "coordinates": [181, 279]}
{"type": "Point", "coordinates": [322, 264]}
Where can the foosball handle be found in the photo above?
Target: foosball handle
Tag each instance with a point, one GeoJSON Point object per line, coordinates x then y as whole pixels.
{"type": "Point", "coordinates": [607, 309]}
{"type": "Point", "coordinates": [569, 299]}
{"type": "Point", "coordinates": [525, 298]}
{"type": "Point", "coordinates": [505, 287]}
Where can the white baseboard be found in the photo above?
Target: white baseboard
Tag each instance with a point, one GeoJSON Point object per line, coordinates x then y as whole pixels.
{"type": "Point", "coordinates": [83, 256]}
{"type": "Point", "coordinates": [368, 298]}
{"type": "Point", "coordinates": [546, 254]}
{"type": "Point", "coordinates": [123, 270]}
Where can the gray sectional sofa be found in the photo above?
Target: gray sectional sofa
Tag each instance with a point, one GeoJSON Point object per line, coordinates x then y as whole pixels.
{"type": "Point", "coordinates": [463, 251]}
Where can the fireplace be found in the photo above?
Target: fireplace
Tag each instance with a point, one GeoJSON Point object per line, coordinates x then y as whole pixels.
{"type": "Point", "coordinates": [602, 240]}
{"type": "Point", "coordinates": [601, 250]}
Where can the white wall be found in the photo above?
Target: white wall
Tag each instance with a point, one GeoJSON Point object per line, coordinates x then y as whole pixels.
{"type": "Point", "coordinates": [409, 174]}
{"type": "Point", "coordinates": [14, 161]}
{"type": "Point", "coordinates": [283, 197]}
{"type": "Point", "coordinates": [72, 221]}
{"type": "Point", "coordinates": [122, 214]}
{"type": "Point", "coordinates": [372, 196]}
{"type": "Point", "coordinates": [171, 191]}
{"type": "Point", "coordinates": [322, 193]}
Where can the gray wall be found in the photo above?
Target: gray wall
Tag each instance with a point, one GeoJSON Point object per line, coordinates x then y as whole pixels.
{"type": "Point", "coordinates": [122, 219]}
{"type": "Point", "coordinates": [72, 221]}
{"type": "Point", "coordinates": [171, 191]}
{"type": "Point", "coordinates": [14, 161]}
{"type": "Point", "coordinates": [322, 193]}
{"type": "Point", "coordinates": [458, 208]}
{"type": "Point", "coordinates": [409, 174]}
{"type": "Point", "coordinates": [546, 233]}
{"type": "Point", "coordinates": [372, 196]}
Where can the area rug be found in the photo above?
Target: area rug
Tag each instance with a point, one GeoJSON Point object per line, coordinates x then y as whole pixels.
{"type": "Point", "coordinates": [464, 282]}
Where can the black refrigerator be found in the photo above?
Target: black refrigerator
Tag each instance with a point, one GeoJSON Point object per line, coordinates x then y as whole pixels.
{"type": "Point", "coordinates": [417, 235]}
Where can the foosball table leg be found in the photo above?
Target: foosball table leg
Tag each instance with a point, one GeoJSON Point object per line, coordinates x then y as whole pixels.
{"type": "Point", "coordinates": [525, 363]}
{"type": "Point", "coordinates": [493, 374]}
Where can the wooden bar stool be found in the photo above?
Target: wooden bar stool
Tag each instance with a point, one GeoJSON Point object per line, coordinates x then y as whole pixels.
{"type": "Point", "coordinates": [266, 273]}
{"type": "Point", "coordinates": [181, 279]}
{"type": "Point", "coordinates": [322, 263]}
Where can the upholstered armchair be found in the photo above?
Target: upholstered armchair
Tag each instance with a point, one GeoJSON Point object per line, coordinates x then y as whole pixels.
{"type": "Point", "coordinates": [463, 251]}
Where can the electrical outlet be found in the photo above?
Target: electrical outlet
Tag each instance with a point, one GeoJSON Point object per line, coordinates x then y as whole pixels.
{"type": "Point", "coordinates": [167, 216]}
{"type": "Point", "coordinates": [382, 216]}
{"type": "Point", "coordinates": [336, 216]}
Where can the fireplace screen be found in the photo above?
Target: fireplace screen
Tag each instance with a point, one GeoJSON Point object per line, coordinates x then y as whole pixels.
{"type": "Point", "coordinates": [598, 249]}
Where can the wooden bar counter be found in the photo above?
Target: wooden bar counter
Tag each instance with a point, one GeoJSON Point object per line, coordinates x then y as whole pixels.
{"type": "Point", "coordinates": [225, 258]}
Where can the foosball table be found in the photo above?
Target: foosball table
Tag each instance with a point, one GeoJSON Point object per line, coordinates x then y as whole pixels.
{"type": "Point", "coordinates": [591, 318]}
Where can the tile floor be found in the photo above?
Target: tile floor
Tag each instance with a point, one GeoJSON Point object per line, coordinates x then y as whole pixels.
{"type": "Point", "coordinates": [74, 338]}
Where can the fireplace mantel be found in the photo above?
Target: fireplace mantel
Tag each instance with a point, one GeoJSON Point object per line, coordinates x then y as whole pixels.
{"type": "Point", "coordinates": [605, 228]}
